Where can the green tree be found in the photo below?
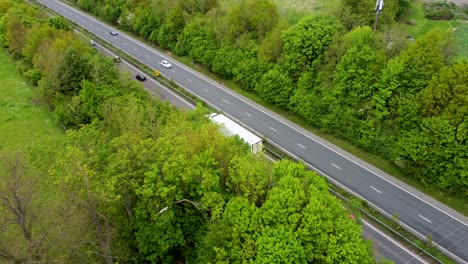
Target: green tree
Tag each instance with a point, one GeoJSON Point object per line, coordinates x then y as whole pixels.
{"type": "Point", "coordinates": [15, 33]}
{"type": "Point", "coordinates": [271, 47]}
{"type": "Point", "coordinates": [250, 177]}
{"type": "Point", "coordinates": [226, 60]}
{"type": "Point", "coordinates": [79, 175]}
{"type": "Point", "coordinates": [249, 71]}
{"type": "Point", "coordinates": [276, 86]}
{"type": "Point", "coordinates": [279, 245]}
{"type": "Point", "coordinates": [171, 28]}
{"type": "Point", "coordinates": [37, 223]}
{"type": "Point", "coordinates": [58, 22]}
{"type": "Point", "coordinates": [307, 40]}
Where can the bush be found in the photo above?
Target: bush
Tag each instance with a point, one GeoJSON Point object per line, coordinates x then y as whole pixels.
{"type": "Point", "coordinates": [440, 10]}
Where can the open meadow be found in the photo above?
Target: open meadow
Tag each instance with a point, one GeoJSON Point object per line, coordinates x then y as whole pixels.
{"type": "Point", "coordinates": [21, 122]}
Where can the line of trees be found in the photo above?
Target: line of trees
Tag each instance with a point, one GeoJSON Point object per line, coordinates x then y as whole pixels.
{"type": "Point", "coordinates": [136, 181]}
{"type": "Point", "coordinates": [404, 100]}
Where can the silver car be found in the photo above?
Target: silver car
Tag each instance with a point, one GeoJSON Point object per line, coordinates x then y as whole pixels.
{"type": "Point", "coordinates": [166, 64]}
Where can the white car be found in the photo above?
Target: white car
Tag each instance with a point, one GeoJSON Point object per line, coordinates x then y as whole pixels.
{"type": "Point", "coordinates": [166, 64]}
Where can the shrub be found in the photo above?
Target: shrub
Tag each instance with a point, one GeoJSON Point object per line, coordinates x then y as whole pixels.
{"type": "Point", "coordinates": [439, 10]}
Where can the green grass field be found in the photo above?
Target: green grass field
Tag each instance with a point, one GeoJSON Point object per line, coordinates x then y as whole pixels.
{"type": "Point", "coordinates": [293, 10]}
{"type": "Point", "coordinates": [21, 122]}
{"type": "Point", "coordinates": [421, 25]}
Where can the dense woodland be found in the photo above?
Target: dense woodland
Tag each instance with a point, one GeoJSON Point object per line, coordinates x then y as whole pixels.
{"type": "Point", "coordinates": [404, 100]}
{"type": "Point", "coordinates": [136, 181]}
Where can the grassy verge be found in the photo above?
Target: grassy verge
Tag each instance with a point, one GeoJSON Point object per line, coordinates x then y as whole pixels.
{"type": "Point", "coordinates": [22, 122]}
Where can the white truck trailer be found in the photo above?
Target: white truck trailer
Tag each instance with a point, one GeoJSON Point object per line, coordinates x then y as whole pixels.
{"type": "Point", "coordinates": [231, 128]}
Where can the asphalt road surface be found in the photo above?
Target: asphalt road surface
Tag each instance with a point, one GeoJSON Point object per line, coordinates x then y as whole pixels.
{"type": "Point", "coordinates": [386, 247]}
{"type": "Point", "coordinates": [416, 211]}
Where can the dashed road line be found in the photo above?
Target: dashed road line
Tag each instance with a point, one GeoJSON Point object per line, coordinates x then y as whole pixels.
{"type": "Point", "coordinates": [425, 218]}
{"type": "Point", "coordinates": [206, 90]}
{"type": "Point", "coordinates": [273, 129]}
{"type": "Point", "coordinates": [227, 102]}
{"type": "Point", "coordinates": [375, 189]}
{"type": "Point", "coordinates": [247, 114]}
{"type": "Point", "coordinates": [189, 80]}
{"type": "Point", "coordinates": [301, 146]}
{"type": "Point", "coordinates": [336, 166]}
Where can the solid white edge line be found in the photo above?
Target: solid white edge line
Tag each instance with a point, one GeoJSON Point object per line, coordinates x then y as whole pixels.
{"type": "Point", "coordinates": [375, 189]}
{"type": "Point", "coordinates": [425, 218]}
{"type": "Point", "coordinates": [275, 118]}
{"type": "Point", "coordinates": [393, 241]}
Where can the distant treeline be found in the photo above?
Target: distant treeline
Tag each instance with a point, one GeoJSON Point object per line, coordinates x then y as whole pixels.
{"type": "Point", "coordinates": [404, 100]}
{"type": "Point", "coordinates": [135, 181]}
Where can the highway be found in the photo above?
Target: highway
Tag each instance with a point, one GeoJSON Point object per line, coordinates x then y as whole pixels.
{"type": "Point", "coordinates": [414, 210]}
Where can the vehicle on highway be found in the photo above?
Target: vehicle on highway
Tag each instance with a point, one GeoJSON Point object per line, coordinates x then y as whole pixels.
{"type": "Point", "coordinates": [92, 42]}
{"type": "Point", "coordinates": [166, 64]}
{"type": "Point", "coordinates": [140, 77]}
{"type": "Point", "coordinates": [113, 33]}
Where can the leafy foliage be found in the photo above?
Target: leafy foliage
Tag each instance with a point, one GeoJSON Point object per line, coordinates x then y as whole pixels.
{"type": "Point", "coordinates": [156, 185]}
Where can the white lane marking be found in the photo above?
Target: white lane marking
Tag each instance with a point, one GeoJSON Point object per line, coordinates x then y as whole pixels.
{"type": "Point", "coordinates": [125, 43]}
{"type": "Point", "coordinates": [247, 114]}
{"type": "Point", "coordinates": [206, 90]}
{"type": "Point", "coordinates": [189, 80]}
{"type": "Point", "coordinates": [334, 165]}
{"type": "Point", "coordinates": [375, 189]}
{"type": "Point", "coordinates": [273, 129]}
{"type": "Point", "coordinates": [268, 114]}
{"type": "Point", "coordinates": [146, 55]}
{"type": "Point", "coordinates": [424, 218]}
{"type": "Point", "coordinates": [393, 241]}
{"type": "Point", "coordinates": [301, 146]}
{"type": "Point", "coordinates": [172, 71]}
{"type": "Point", "coordinates": [227, 102]}
{"type": "Point", "coordinates": [135, 49]}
